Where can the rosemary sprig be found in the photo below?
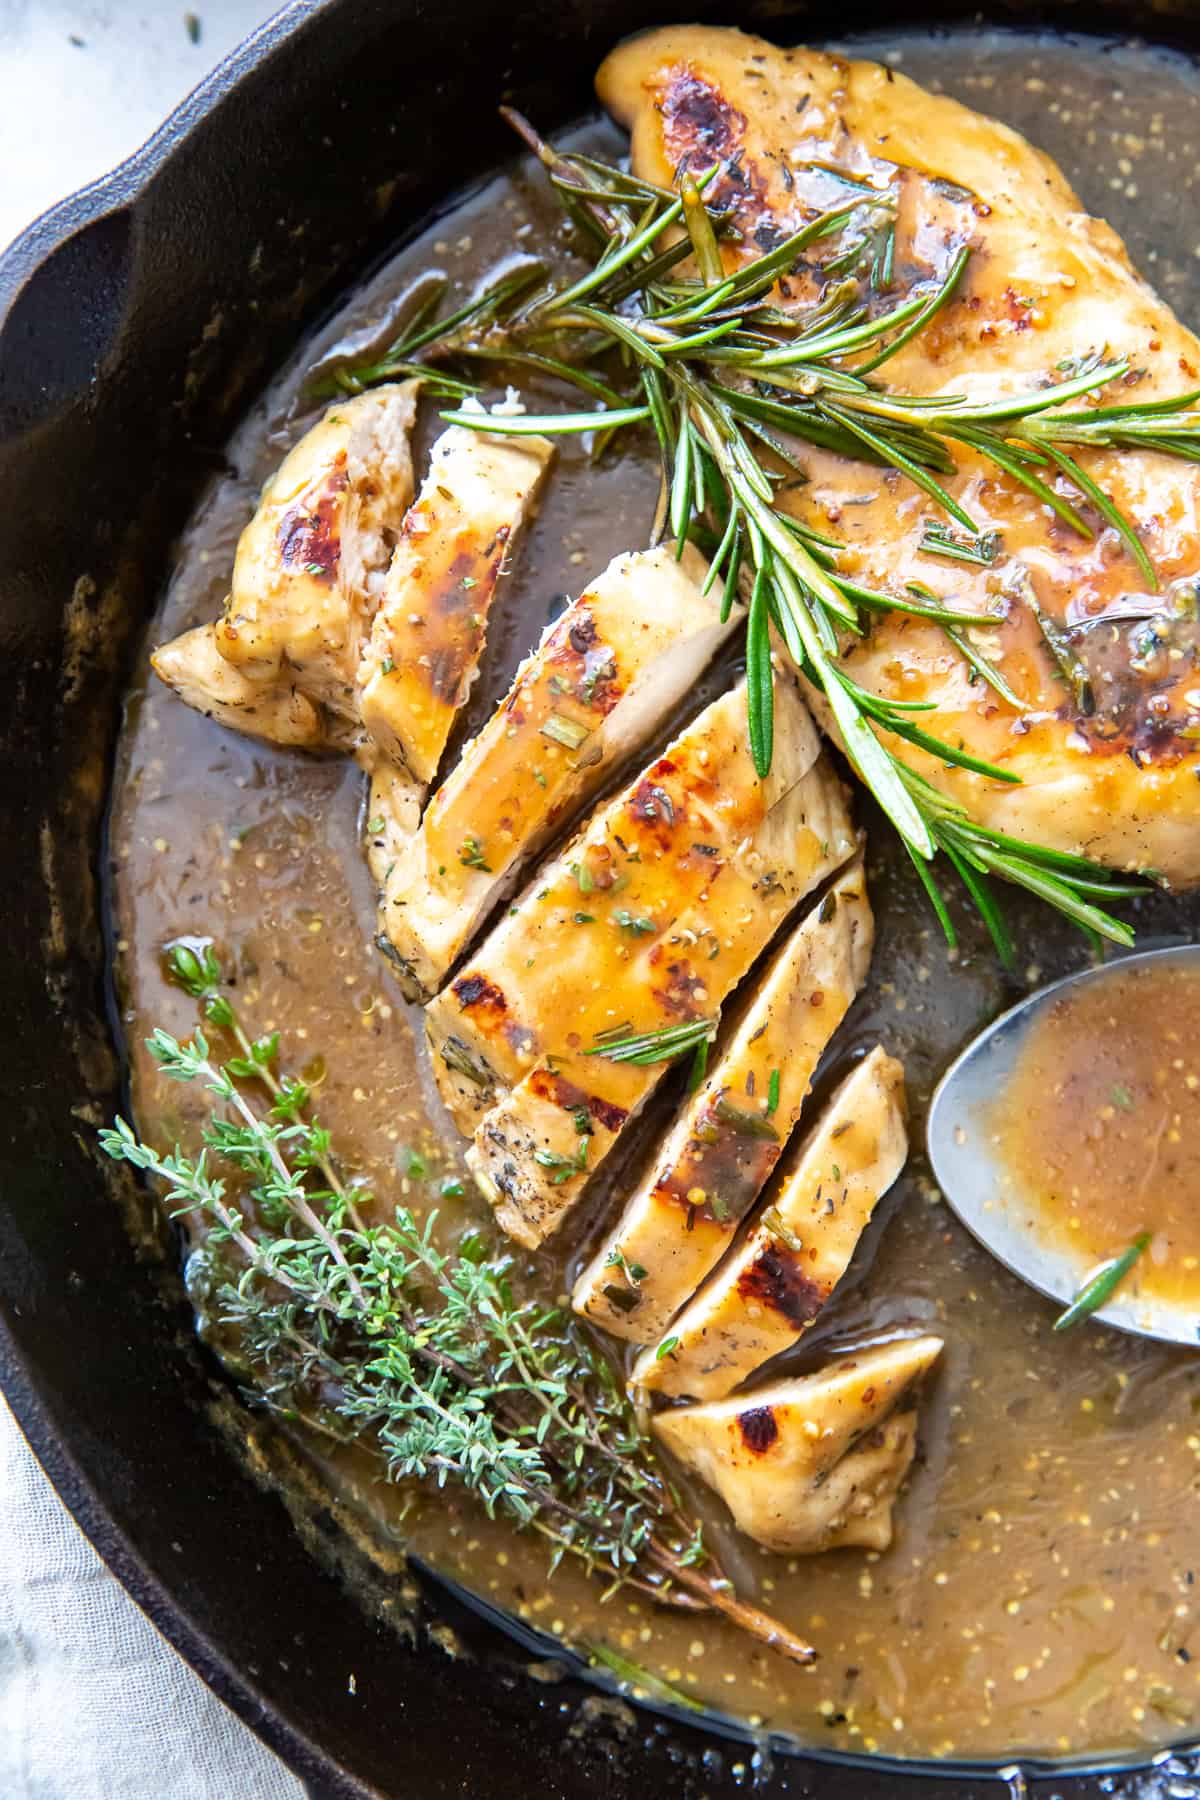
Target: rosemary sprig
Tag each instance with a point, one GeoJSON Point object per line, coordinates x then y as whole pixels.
{"type": "Point", "coordinates": [370, 1332]}
{"type": "Point", "coordinates": [731, 383]}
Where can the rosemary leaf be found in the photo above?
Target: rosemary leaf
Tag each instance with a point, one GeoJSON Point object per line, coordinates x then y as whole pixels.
{"type": "Point", "coordinates": [745, 1124]}
{"type": "Point", "coordinates": [641, 1681]}
{"type": "Point", "coordinates": [760, 690]}
{"type": "Point", "coordinates": [979, 662]}
{"type": "Point", "coordinates": [646, 1048]}
{"type": "Point", "coordinates": [1097, 1292]}
{"type": "Point", "coordinates": [700, 231]}
{"type": "Point", "coordinates": [980, 547]}
{"type": "Point", "coordinates": [548, 424]}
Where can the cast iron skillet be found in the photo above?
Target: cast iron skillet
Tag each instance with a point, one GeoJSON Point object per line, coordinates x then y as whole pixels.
{"type": "Point", "coordinates": [136, 320]}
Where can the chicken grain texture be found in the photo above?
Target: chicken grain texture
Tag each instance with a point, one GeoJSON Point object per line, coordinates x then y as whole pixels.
{"type": "Point", "coordinates": [816, 1462]}
{"type": "Point", "coordinates": [310, 565]}
{"type": "Point", "coordinates": [1046, 283]}
{"type": "Point", "coordinates": [727, 1138]}
{"type": "Point", "coordinates": [604, 675]}
{"type": "Point", "coordinates": [276, 711]}
{"type": "Point", "coordinates": [393, 815]}
{"type": "Point", "coordinates": [430, 626]}
{"type": "Point", "coordinates": [778, 1276]}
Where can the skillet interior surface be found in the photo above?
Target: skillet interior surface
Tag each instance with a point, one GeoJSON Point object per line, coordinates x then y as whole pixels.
{"type": "Point", "coordinates": [141, 319]}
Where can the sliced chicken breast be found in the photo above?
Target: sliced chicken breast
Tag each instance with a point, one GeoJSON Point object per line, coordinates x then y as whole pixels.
{"type": "Point", "coordinates": [276, 711]}
{"type": "Point", "coordinates": [310, 565]}
{"type": "Point", "coordinates": [557, 968]}
{"type": "Point", "coordinates": [776, 1279]}
{"type": "Point", "coordinates": [604, 675]}
{"type": "Point", "coordinates": [430, 627]}
{"type": "Point", "coordinates": [1109, 766]}
{"type": "Point", "coordinates": [813, 1463]}
{"type": "Point", "coordinates": [535, 1151]}
{"type": "Point", "coordinates": [729, 1134]}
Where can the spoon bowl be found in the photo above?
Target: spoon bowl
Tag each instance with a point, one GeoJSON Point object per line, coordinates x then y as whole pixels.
{"type": "Point", "coordinates": [968, 1166]}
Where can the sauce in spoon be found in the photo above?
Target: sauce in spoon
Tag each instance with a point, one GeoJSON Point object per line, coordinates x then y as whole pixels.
{"type": "Point", "coordinates": [1066, 1136]}
{"type": "Point", "coordinates": [1098, 1124]}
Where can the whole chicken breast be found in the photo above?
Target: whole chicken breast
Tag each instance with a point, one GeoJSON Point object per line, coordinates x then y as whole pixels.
{"type": "Point", "coordinates": [604, 675]}
{"type": "Point", "coordinates": [310, 565]}
{"type": "Point", "coordinates": [729, 1134]}
{"type": "Point", "coordinates": [1108, 763]}
{"type": "Point", "coordinates": [778, 1276]}
{"type": "Point", "coordinates": [816, 1462]}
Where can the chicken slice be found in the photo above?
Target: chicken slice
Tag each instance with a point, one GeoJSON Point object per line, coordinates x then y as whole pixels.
{"type": "Point", "coordinates": [1109, 764]}
{"type": "Point", "coordinates": [430, 627]}
{"type": "Point", "coordinates": [604, 675]}
{"type": "Point", "coordinates": [731, 1132]}
{"type": "Point", "coordinates": [813, 1463]}
{"type": "Point", "coordinates": [192, 665]}
{"type": "Point", "coordinates": [776, 1279]}
{"type": "Point", "coordinates": [393, 813]}
{"type": "Point", "coordinates": [310, 565]}
{"type": "Point", "coordinates": [536, 1149]}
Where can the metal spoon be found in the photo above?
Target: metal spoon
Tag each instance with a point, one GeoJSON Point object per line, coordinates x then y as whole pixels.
{"type": "Point", "coordinates": [971, 1174]}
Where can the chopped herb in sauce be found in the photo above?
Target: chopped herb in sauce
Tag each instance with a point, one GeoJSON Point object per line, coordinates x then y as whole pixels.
{"type": "Point", "coordinates": [562, 730]}
{"type": "Point", "coordinates": [774, 1222]}
{"type": "Point", "coordinates": [471, 855]}
{"type": "Point", "coordinates": [638, 926]}
{"type": "Point", "coordinates": [743, 1123]}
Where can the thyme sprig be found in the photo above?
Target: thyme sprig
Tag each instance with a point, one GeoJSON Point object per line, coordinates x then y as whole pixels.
{"type": "Point", "coordinates": [371, 1333]}
{"type": "Point", "coordinates": [732, 384]}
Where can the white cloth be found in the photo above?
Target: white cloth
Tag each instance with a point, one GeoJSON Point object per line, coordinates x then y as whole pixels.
{"type": "Point", "coordinates": [94, 1703]}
